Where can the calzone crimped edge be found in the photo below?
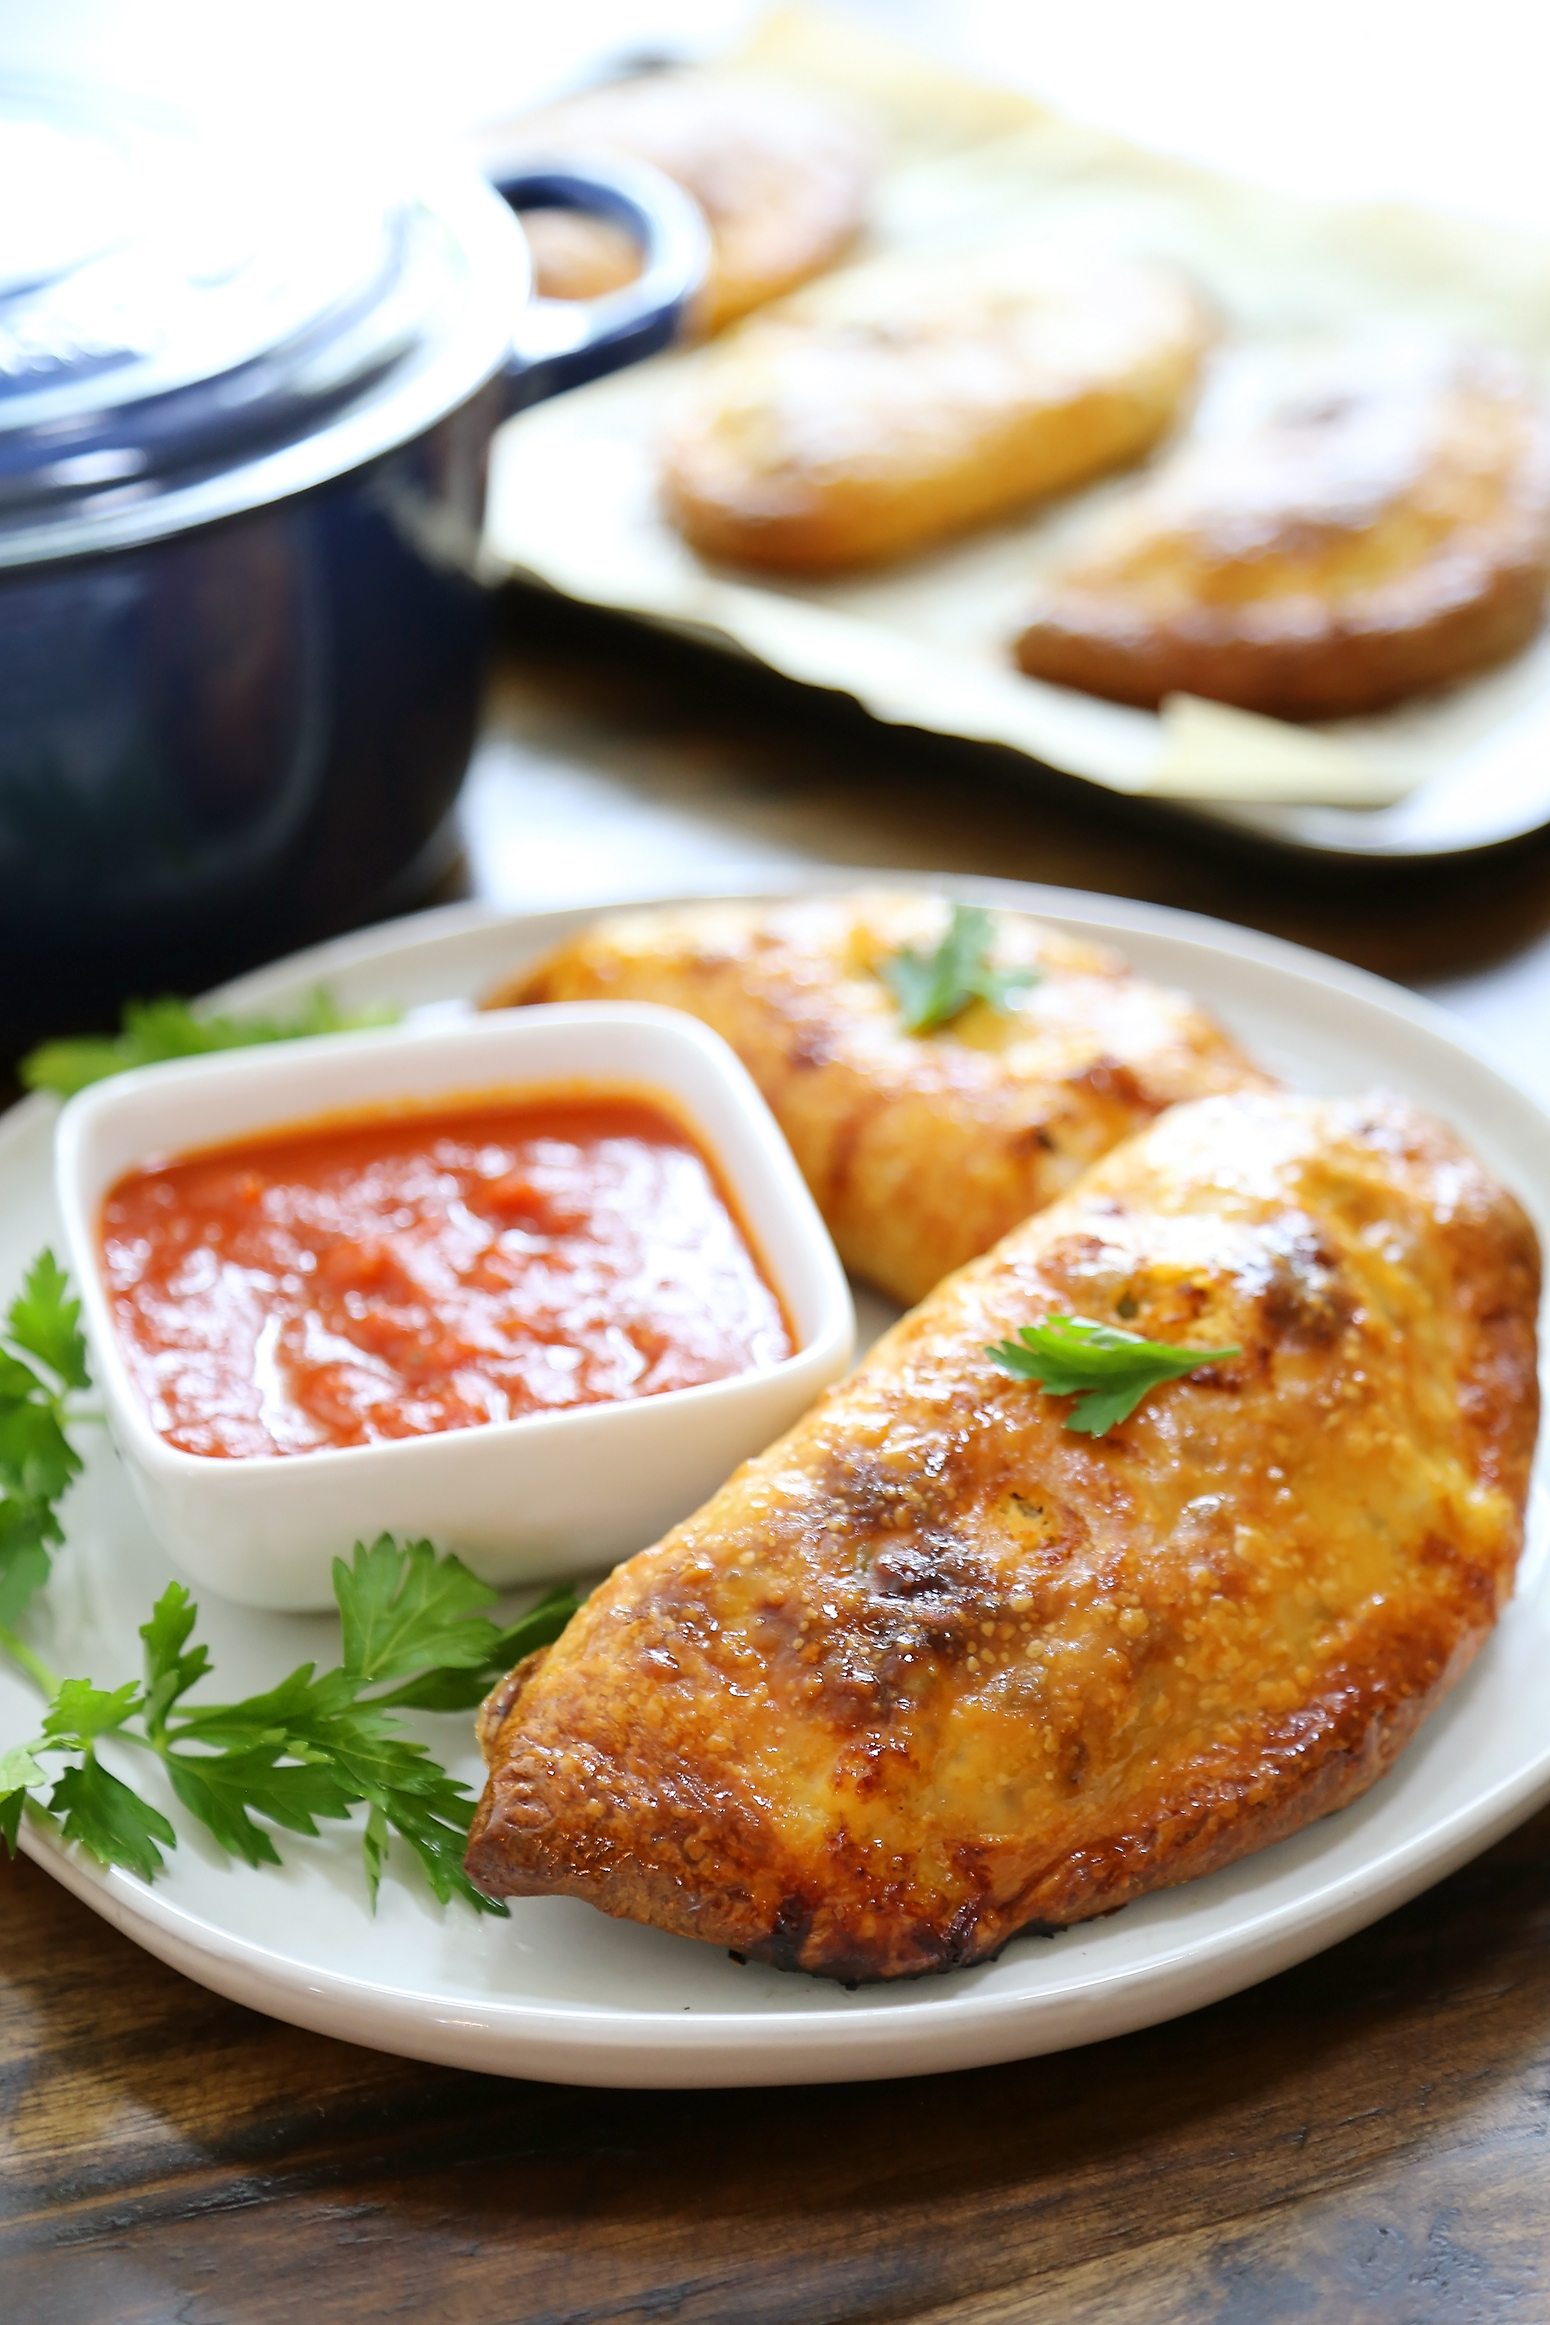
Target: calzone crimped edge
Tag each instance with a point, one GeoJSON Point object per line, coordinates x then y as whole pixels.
{"type": "Point", "coordinates": [936, 1668]}
{"type": "Point", "coordinates": [921, 1151]}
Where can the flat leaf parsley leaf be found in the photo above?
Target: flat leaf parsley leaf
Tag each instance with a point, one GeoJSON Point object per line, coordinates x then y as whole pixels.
{"type": "Point", "coordinates": [37, 1459]}
{"type": "Point", "coordinates": [403, 1609]}
{"type": "Point", "coordinates": [113, 1823]}
{"type": "Point", "coordinates": [46, 1322]}
{"type": "Point", "coordinates": [19, 1773]}
{"type": "Point", "coordinates": [80, 1712]}
{"type": "Point", "coordinates": [154, 1031]}
{"type": "Point", "coordinates": [934, 988]}
{"type": "Point", "coordinates": [459, 1689]}
{"type": "Point", "coordinates": [317, 1745]}
{"type": "Point", "coordinates": [1107, 1370]}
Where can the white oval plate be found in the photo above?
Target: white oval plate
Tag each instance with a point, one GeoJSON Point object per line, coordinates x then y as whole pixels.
{"type": "Point", "coordinates": [562, 1993]}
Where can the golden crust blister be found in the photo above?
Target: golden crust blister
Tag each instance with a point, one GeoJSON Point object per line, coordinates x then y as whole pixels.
{"type": "Point", "coordinates": [916, 396]}
{"type": "Point", "coordinates": [920, 1152]}
{"type": "Point", "coordinates": [1342, 531]}
{"type": "Point", "coordinates": [936, 1669]}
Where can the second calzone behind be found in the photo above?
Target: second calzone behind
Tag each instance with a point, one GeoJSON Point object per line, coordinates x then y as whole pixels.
{"type": "Point", "coordinates": [921, 1147]}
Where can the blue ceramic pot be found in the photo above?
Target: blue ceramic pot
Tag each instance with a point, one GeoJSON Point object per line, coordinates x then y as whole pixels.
{"type": "Point", "coordinates": [242, 466]}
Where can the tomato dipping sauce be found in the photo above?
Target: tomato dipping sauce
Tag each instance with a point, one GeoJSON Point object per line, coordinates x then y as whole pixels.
{"type": "Point", "coordinates": [344, 1283]}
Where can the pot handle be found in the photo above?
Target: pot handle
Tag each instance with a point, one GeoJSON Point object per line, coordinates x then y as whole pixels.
{"type": "Point", "coordinates": [558, 343]}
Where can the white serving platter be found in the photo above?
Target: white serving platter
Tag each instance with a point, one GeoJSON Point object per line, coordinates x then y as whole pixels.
{"type": "Point", "coordinates": [563, 1994]}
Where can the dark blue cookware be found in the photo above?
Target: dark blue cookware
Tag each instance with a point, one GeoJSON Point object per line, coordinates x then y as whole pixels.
{"type": "Point", "coordinates": [243, 437]}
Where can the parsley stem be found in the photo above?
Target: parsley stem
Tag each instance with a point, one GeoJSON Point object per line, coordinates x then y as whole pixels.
{"type": "Point", "coordinates": [34, 1665]}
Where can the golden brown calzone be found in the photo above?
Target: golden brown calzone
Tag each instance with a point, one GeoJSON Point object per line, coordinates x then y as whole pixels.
{"type": "Point", "coordinates": [782, 179]}
{"type": "Point", "coordinates": [936, 1668]}
{"type": "Point", "coordinates": [1341, 532]}
{"type": "Point", "coordinates": [899, 402]}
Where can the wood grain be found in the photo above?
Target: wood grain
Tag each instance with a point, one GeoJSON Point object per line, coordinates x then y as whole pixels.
{"type": "Point", "coordinates": [1363, 2137]}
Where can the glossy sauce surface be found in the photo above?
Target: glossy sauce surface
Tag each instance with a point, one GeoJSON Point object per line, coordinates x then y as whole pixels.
{"type": "Point", "coordinates": [391, 1278]}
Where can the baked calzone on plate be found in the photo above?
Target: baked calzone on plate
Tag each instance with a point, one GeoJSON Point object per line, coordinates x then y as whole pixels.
{"type": "Point", "coordinates": [918, 395]}
{"type": "Point", "coordinates": [1343, 529]}
{"type": "Point", "coordinates": [940, 1667]}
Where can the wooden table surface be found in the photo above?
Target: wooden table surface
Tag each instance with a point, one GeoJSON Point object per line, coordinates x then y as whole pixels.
{"type": "Point", "coordinates": [1364, 2137]}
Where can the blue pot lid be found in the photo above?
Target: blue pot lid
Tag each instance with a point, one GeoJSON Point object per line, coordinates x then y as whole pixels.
{"type": "Point", "coordinates": [186, 332]}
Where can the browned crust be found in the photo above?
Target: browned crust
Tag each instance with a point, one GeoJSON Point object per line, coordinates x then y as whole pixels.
{"type": "Point", "coordinates": [847, 523]}
{"type": "Point", "coordinates": [499, 1705]}
{"type": "Point", "coordinates": [1291, 665]}
{"type": "Point", "coordinates": [723, 1881]}
{"type": "Point", "coordinates": [628, 1769]}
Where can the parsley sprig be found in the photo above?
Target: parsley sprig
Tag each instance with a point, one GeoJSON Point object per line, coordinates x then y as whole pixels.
{"type": "Point", "coordinates": [1107, 1370]}
{"type": "Point", "coordinates": [933, 988]}
{"type": "Point", "coordinates": [321, 1744]}
{"type": "Point", "coordinates": [154, 1031]}
{"type": "Point", "coordinates": [42, 1363]}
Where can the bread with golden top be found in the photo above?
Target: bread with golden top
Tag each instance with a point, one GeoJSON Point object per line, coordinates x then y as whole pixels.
{"type": "Point", "coordinates": [938, 1668]}
{"type": "Point", "coordinates": [782, 179]}
{"type": "Point", "coordinates": [903, 401]}
{"type": "Point", "coordinates": [1343, 530]}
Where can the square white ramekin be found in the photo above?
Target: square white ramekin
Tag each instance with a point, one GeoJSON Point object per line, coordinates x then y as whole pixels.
{"type": "Point", "coordinates": [546, 1494]}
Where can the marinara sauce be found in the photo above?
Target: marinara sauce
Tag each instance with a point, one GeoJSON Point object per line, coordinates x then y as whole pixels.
{"type": "Point", "coordinates": [345, 1283]}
